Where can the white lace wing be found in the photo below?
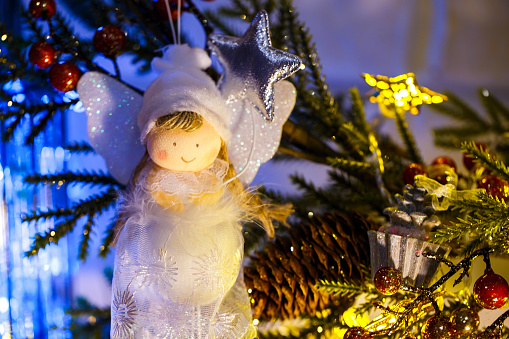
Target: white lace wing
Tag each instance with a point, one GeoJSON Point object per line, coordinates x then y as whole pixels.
{"type": "Point", "coordinates": [112, 109]}
{"type": "Point", "coordinates": [255, 140]}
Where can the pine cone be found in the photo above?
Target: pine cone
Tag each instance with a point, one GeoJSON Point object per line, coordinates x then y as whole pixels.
{"type": "Point", "coordinates": [414, 214]}
{"type": "Point", "coordinates": [282, 278]}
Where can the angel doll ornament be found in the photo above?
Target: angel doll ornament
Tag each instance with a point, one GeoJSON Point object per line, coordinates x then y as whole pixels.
{"type": "Point", "coordinates": [179, 241]}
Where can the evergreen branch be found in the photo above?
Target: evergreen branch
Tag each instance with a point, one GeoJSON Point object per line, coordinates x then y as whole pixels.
{"type": "Point", "coordinates": [463, 132]}
{"type": "Point", "coordinates": [108, 240]}
{"type": "Point", "coordinates": [41, 126]}
{"type": "Point", "coordinates": [220, 25]}
{"type": "Point", "coordinates": [9, 131]}
{"type": "Point", "coordinates": [485, 224]}
{"type": "Point", "coordinates": [302, 155]}
{"type": "Point", "coordinates": [98, 179]}
{"type": "Point", "coordinates": [301, 137]}
{"type": "Point", "coordinates": [46, 215]}
{"type": "Point", "coordinates": [447, 141]}
{"type": "Point", "coordinates": [79, 148]}
{"type": "Point", "coordinates": [407, 136]}
{"type": "Point", "coordinates": [492, 110]}
{"type": "Point", "coordinates": [484, 158]}
{"type": "Point", "coordinates": [457, 109]}
{"type": "Point", "coordinates": [356, 139]}
{"type": "Point", "coordinates": [351, 166]}
{"type": "Point", "coordinates": [94, 205]}
{"type": "Point", "coordinates": [85, 240]}
{"type": "Point", "coordinates": [345, 289]}
{"type": "Point", "coordinates": [494, 107]}
{"type": "Point", "coordinates": [321, 195]}
{"type": "Point", "coordinates": [358, 109]}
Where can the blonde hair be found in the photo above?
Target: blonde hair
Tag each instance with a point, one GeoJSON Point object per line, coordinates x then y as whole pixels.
{"type": "Point", "coordinates": [253, 207]}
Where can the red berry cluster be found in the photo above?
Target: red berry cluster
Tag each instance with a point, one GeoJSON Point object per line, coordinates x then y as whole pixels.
{"type": "Point", "coordinates": [64, 75]}
{"type": "Point", "coordinates": [493, 185]}
{"type": "Point", "coordinates": [442, 169]}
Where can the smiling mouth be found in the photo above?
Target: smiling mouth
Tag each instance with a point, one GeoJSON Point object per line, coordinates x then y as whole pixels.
{"type": "Point", "coordinates": [187, 161]}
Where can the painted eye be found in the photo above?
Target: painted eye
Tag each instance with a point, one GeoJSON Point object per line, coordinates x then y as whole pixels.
{"type": "Point", "coordinates": [197, 145]}
{"type": "Point", "coordinates": [174, 144]}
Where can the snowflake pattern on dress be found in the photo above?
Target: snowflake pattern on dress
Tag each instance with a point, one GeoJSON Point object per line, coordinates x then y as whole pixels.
{"type": "Point", "coordinates": [215, 270]}
{"type": "Point", "coordinates": [180, 319]}
{"type": "Point", "coordinates": [159, 269]}
{"type": "Point", "coordinates": [123, 314]}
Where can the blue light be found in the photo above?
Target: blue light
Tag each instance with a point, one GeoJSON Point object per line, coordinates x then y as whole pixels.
{"type": "Point", "coordinates": [18, 98]}
{"type": "Point", "coordinates": [45, 99]}
{"type": "Point", "coordinates": [13, 86]}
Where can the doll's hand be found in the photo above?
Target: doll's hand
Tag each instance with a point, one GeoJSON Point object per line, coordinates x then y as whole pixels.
{"type": "Point", "coordinates": [168, 201]}
{"type": "Point", "coordinates": [207, 198]}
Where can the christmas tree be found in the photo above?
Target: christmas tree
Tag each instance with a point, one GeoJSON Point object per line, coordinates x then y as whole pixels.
{"type": "Point", "coordinates": [383, 208]}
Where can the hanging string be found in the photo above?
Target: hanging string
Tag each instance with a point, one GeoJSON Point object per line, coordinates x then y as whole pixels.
{"type": "Point", "coordinates": [167, 3]}
{"type": "Point", "coordinates": [178, 20]}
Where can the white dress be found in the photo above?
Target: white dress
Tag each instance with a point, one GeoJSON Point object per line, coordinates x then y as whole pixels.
{"type": "Point", "coordinates": [177, 273]}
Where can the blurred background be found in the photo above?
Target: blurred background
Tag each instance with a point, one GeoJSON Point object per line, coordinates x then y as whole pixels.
{"type": "Point", "coordinates": [458, 46]}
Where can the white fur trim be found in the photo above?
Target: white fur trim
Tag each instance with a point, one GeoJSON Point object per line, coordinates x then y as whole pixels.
{"type": "Point", "coordinates": [183, 86]}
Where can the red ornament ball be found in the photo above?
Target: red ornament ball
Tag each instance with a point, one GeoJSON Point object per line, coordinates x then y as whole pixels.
{"type": "Point", "coordinates": [109, 40]}
{"type": "Point", "coordinates": [411, 171]}
{"type": "Point", "coordinates": [388, 280]}
{"type": "Point", "coordinates": [465, 320]}
{"type": "Point", "coordinates": [64, 76]}
{"type": "Point", "coordinates": [495, 186]}
{"type": "Point", "coordinates": [445, 160]}
{"type": "Point", "coordinates": [437, 327]}
{"type": "Point", "coordinates": [357, 333]}
{"type": "Point", "coordinates": [160, 9]}
{"type": "Point", "coordinates": [468, 161]}
{"type": "Point", "coordinates": [42, 54]}
{"type": "Point", "coordinates": [491, 290]}
{"type": "Point", "coordinates": [42, 9]}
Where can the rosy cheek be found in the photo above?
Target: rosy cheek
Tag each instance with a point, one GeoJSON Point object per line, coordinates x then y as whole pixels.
{"type": "Point", "coordinates": [162, 155]}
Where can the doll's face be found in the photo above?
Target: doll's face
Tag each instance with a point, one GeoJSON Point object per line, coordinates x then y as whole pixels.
{"type": "Point", "coordinates": [177, 150]}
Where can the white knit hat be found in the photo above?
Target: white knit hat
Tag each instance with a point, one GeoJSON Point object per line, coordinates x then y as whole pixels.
{"type": "Point", "coordinates": [183, 86]}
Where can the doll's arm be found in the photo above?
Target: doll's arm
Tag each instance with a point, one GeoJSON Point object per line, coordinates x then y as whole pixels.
{"type": "Point", "coordinates": [165, 200]}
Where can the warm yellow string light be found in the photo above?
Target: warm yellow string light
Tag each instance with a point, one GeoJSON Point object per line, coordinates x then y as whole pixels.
{"type": "Point", "coordinates": [401, 92]}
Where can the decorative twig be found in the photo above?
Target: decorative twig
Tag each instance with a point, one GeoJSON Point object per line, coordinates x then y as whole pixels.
{"type": "Point", "coordinates": [427, 293]}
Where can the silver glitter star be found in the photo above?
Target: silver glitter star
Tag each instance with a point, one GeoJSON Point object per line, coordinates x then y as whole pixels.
{"type": "Point", "coordinates": [252, 66]}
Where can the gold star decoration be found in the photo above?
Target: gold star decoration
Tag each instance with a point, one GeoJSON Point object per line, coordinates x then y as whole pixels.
{"type": "Point", "coordinates": [401, 92]}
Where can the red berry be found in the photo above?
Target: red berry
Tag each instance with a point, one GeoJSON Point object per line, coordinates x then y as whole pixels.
{"type": "Point", "coordinates": [357, 333]}
{"type": "Point", "coordinates": [465, 320]}
{"type": "Point", "coordinates": [109, 40]}
{"type": "Point", "coordinates": [64, 76]}
{"type": "Point", "coordinates": [411, 171]}
{"type": "Point", "coordinates": [42, 54]}
{"type": "Point", "coordinates": [491, 290]}
{"type": "Point", "coordinates": [388, 280]}
{"type": "Point", "coordinates": [495, 186]}
{"type": "Point", "coordinates": [468, 159]}
{"type": "Point", "coordinates": [445, 160]}
{"type": "Point", "coordinates": [43, 9]}
{"type": "Point", "coordinates": [160, 8]}
{"type": "Point", "coordinates": [437, 327]}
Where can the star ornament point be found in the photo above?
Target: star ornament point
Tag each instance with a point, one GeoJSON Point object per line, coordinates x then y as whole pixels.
{"type": "Point", "coordinates": [252, 66]}
{"type": "Point", "coordinates": [401, 92]}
